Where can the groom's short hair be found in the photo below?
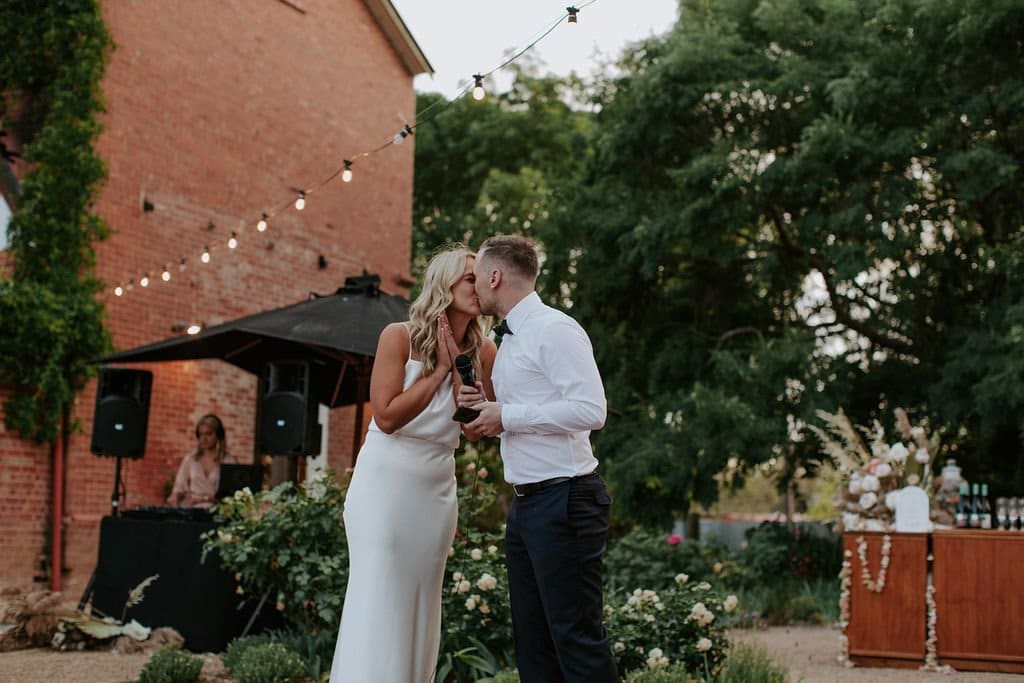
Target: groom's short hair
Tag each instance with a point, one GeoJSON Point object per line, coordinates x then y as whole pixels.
{"type": "Point", "coordinates": [517, 254]}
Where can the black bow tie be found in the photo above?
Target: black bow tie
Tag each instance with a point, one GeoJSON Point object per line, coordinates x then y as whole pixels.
{"type": "Point", "coordinates": [501, 329]}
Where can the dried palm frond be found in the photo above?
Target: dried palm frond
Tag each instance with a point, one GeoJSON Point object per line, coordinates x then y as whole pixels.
{"type": "Point", "coordinates": [136, 595]}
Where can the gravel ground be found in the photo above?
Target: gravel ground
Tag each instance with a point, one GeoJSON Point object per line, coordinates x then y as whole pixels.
{"type": "Point", "coordinates": [808, 651]}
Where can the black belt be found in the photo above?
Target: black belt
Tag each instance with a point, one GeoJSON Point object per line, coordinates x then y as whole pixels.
{"type": "Point", "coordinates": [538, 486]}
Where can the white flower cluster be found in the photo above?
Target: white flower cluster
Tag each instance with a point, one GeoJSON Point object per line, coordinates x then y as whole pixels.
{"type": "Point", "coordinates": [487, 582]}
{"type": "Point", "coordinates": [641, 603]}
{"type": "Point", "coordinates": [460, 583]}
{"type": "Point", "coordinates": [703, 645]}
{"type": "Point", "coordinates": [730, 603]}
{"type": "Point", "coordinates": [701, 614]}
{"type": "Point", "coordinates": [682, 578]}
{"type": "Point", "coordinates": [656, 659]}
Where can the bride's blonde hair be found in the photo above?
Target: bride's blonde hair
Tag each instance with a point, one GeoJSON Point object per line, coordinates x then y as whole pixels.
{"type": "Point", "coordinates": [443, 272]}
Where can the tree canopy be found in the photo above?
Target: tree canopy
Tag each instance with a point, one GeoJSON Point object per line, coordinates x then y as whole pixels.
{"type": "Point", "coordinates": [779, 206]}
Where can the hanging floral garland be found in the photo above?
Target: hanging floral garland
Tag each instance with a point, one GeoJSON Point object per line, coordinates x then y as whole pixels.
{"type": "Point", "coordinates": [844, 609]}
{"type": "Point", "coordinates": [874, 585]}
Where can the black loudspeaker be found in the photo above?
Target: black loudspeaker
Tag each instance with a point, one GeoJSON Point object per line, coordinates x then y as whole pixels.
{"type": "Point", "coordinates": [288, 411]}
{"type": "Point", "coordinates": [121, 417]}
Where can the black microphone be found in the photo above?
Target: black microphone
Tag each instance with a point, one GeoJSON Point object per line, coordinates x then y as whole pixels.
{"type": "Point", "coordinates": [465, 367]}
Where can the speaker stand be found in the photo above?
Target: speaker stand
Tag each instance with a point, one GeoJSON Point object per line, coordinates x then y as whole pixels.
{"type": "Point", "coordinates": [115, 497]}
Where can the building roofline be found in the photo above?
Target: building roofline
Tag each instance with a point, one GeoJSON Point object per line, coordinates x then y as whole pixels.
{"type": "Point", "coordinates": [398, 35]}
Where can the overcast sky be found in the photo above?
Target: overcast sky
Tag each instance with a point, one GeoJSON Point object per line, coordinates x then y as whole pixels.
{"type": "Point", "coordinates": [463, 37]}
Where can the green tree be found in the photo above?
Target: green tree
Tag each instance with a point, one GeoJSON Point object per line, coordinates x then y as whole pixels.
{"type": "Point", "coordinates": [51, 324]}
{"type": "Point", "coordinates": [794, 205]}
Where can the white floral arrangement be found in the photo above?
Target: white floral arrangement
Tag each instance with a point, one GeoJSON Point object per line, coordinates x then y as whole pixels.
{"type": "Point", "coordinates": [874, 470]}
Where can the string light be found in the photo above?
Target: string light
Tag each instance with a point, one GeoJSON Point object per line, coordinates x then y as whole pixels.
{"type": "Point", "coordinates": [401, 135]}
{"type": "Point", "coordinates": [181, 265]}
{"type": "Point", "coordinates": [346, 173]}
{"type": "Point", "coordinates": [194, 328]}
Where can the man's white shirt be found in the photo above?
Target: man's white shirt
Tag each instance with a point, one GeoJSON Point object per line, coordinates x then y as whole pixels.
{"type": "Point", "coordinates": [551, 393]}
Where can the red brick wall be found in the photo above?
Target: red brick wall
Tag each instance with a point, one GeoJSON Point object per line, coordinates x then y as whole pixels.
{"type": "Point", "coordinates": [214, 112]}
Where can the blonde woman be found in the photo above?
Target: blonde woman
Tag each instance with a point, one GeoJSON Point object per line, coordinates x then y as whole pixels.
{"type": "Point", "coordinates": [199, 473]}
{"type": "Point", "coordinates": [401, 509]}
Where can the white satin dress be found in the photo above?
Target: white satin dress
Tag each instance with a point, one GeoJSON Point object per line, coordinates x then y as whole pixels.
{"type": "Point", "coordinates": [400, 517]}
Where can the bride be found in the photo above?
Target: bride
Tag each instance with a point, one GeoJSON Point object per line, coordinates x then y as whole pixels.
{"type": "Point", "coordinates": [400, 509]}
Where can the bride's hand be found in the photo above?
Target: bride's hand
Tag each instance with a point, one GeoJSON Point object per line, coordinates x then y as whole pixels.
{"type": "Point", "coordinates": [447, 349]}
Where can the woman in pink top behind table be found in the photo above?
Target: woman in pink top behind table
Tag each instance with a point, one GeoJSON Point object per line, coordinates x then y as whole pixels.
{"type": "Point", "coordinates": [199, 475]}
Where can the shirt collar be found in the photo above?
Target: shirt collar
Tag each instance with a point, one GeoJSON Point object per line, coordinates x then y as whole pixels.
{"type": "Point", "coordinates": [522, 310]}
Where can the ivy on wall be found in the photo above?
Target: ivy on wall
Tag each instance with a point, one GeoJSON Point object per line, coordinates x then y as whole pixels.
{"type": "Point", "coordinates": [53, 57]}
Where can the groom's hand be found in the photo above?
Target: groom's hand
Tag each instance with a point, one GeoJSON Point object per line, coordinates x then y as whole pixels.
{"type": "Point", "coordinates": [489, 421]}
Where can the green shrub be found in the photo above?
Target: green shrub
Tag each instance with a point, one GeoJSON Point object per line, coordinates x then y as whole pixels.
{"type": "Point", "coordinates": [643, 558]}
{"type": "Point", "coordinates": [476, 635]}
{"type": "Point", "coordinates": [237, 648]}
{"type": "Point", "coordinates": [269, 663]}
{"type": "Point", "coordinates": [171, 665]}
{"type": "Point", "coordinates": [747, 663]}
{"type": "Point", "coordinates": [671, 674]}
{"type": "Point", "coordinates": [681, 625]}
{"type": "Point", "coordinates": [289, 541]}
{"type": "Point", "coordinates": [772, 553]}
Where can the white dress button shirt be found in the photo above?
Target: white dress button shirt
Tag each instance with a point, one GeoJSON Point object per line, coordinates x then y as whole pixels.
{"type": "Point", "coordinates": [551, 393]}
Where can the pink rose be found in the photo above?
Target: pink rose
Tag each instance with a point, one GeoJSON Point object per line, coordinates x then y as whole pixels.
{"type": "Point", "coordinates": [674, 539]}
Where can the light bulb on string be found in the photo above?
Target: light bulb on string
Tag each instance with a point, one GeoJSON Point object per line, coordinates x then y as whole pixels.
{"type": "Point", "coordinates": [205, 258]}
{"type": "Point", "coordinates": [478, 87]}
{"type": "Point", "coordinates": [300, 201]}
{"type": "Point", "coordinates": [346, 174]}
{"type": "Point", "coordinates": [131, 285]}
{"type": "Point", "coordinates": [261, 225]}
{"type": "Point", "coordinates": [233, 240]}
{"type": "Point", "coordinates": [144, 282]}
{"type": "Point", "coordinates": [181, 264]}
{"type": "Point", "coordinates": [401, 135]}
{"type": "Point", "coordinates": [573, 11]}
{"type": "Point", "coordinates": [194, 328]}
{"type": "Point", "coordinates": [119, 291]}
{"type": "Point", "coordinates": [166, 275]}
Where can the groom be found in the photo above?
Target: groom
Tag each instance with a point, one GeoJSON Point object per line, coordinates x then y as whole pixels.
{"type": "Point", "coordinates": [549, 398]}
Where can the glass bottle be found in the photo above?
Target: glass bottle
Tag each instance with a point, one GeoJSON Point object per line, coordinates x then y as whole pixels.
{"type": "Point", "coordinates": [985, 509]}
{"type": "Point", "coordinates": [963, 507]}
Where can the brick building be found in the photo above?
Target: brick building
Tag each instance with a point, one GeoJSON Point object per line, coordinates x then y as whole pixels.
{"type": "Point", "coordinates": [215, 113]}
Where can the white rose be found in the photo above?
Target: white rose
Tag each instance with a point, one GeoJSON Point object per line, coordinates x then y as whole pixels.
{"type": "Point", "coordinates": [916, 433]}
{"type": "Point", "coordinates": [868, 500]}
{"type": "Point", "coordinates": [464, 586]}
{"type": "Point", "coordinates": [476, 553]}
{"type": "Point", "coordinates": [870, 483]}
{"type": "Point", "coordinates": [619, 646]}
{"type": "Point", "coordinates": [855, 486]}
{"type": "Point", "coordinates": [486, 582]}
{"type": "Point", "coordinates": [682, 578]}
{"type": "Point", "coordinates": [891, 498]}
{"type": "Point", "coordinates": [492, 550]}
{"type": "Point", "coordinates": [471, 603]}
{"type": "Point", "coordinates": [703, 645]}
{"type": "Point", "coordinates": [898, 452]}
{"type": "Point", "coordinates": [730, 603]}
{"type": "Point", "coordinates": [457, 576]}
{"type": "Point", "coordinates": [922, 456]}
{"type": "Point", "coordinates": [883, 470]}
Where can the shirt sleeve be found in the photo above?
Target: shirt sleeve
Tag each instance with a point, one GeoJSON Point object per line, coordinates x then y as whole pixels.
{"type": "Point", "coordinates": [181, 479]}
{"type": "Point", "coordinates": [566, 358]}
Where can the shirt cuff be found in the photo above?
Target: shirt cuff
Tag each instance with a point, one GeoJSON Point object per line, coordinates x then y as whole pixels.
{"type": "Point", "coordinates": [513, 417]}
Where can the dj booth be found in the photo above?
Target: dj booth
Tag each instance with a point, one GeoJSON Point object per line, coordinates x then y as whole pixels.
{"type": "Point", "coordinates": [198, 599]}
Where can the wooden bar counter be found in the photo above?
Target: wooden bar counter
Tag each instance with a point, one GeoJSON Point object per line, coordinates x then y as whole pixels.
{"type": "Point", "coordinates": [978, 577]}
{"type": "Point", "coordinates": [979, 597]}
{"type": "Point", "coordinates": [887, 628]}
